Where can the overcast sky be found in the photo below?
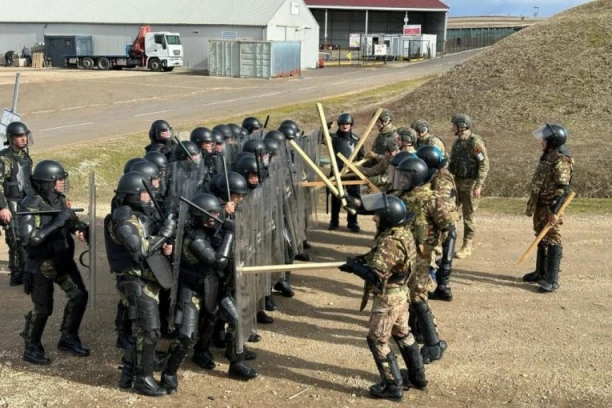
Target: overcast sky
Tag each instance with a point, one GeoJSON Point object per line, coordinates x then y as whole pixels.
{"type": "Point", "coordinates": [513, 7]}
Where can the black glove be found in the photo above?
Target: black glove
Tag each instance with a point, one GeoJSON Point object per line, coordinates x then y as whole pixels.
{"type": "Point", "coordinates": [168, 229]}
{"type": "Point", "coordinates": [330, 124]}
{"type": "Point", "coordinates": [84, 228]}
{"type": "Point", "coordinates": [350, 261]}
{"type": "Point", "coordinates": [346, 268]}
{"type": "Point", "coordinates": [228, 225]}
{"type": "Point", "coordinates": [353, 202]}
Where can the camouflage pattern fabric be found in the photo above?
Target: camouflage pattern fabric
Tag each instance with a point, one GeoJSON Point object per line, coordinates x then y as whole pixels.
{"type": "Point", "coordinates": [392, 253]}
{"type": "Point", "coordinates": [143, 272]}
{"type": "Point", "coordinates": [8, 163]}
{"type": "Point", "coordinates": [467, 205]}
{"type": "Point", "coordinates": [550, 181]}
{"type": "Point", "coordinates": [375, 169]}
{"type": "Point", "coordinates": [387, 132]}
{"type": "Point", "coordinates": [431, 140]}
{"type": "Point", "coordinates": [469, 160]}
{"type": "Point", "coordinates": [443, 184]}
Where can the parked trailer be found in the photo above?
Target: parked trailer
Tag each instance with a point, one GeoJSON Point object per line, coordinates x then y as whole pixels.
{"type": "Point", "coordinates": [105, 62]}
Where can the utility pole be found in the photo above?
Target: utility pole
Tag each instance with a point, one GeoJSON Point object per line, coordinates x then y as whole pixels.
{"type": "Point", "coordinates": [536, 11]}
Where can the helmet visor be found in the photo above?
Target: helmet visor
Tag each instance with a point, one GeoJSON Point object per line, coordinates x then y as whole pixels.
{"type": "Point", "coordinates": [374, 202]}
{"type": "Point", "coordinates": [542, 132]}
{"type": "Point", "coordinates": [402, 180]}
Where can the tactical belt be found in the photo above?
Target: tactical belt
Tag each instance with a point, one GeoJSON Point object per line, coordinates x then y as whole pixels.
{"type": "Point", "coordinates": [398, 289]}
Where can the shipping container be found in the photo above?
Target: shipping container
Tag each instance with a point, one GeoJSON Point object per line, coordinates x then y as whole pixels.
{"type": "Point", "coordinates": [57, 47]}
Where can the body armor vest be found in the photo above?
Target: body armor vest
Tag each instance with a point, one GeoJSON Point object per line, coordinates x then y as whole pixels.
{"type": "Point", "coordinates": [463, 162]}
{"type": "Point", "coordinates": [17, 185]}
{"type": "Point", "coordinates": [192, 271]}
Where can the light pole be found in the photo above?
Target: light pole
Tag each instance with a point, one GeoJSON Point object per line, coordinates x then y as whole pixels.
{"type": "Point", "coordinates": [536, 11]}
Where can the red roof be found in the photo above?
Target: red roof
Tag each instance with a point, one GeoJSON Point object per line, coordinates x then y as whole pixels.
{"type": "Point", "coordinates": [378, 4]}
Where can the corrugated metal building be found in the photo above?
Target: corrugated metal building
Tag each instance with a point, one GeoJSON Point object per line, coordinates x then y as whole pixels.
{"type": "Point", "coordinates": [115, 23]}
{"type": "Point", "coordinates": [338, 18]}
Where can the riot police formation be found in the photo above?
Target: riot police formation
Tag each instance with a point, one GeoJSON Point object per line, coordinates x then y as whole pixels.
{"type": "Point", "coordinates": [46, 229]}
{"type": "Point", "coordinates": [15, 172]}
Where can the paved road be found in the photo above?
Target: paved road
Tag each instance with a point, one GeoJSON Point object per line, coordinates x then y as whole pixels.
{"type": "Point", "coordinates": [86, 106]}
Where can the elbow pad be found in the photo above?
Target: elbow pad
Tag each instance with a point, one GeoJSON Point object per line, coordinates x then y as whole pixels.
{"type": "Point", "coordinates": [203, 251]}
{"type": "Point", "coordinates": [225, 250]}
{"type": "Point", "coordinates": [128, 236]}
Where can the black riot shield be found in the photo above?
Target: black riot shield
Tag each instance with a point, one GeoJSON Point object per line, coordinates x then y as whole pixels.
{"type": "Point", "coordinates": [92, 241]}
{"type": "Point", "coordinates": [181, 222]}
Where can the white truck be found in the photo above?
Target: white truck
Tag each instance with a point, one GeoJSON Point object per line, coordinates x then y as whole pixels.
{"type": "Point", "coordinates": [157, 51]}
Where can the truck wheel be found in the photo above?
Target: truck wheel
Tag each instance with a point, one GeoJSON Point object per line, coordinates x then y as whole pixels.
{"type": "Point", "coordinates": [87, 63]}
{"type": "Point", "coordinates": [103, 64]}
{"type": "Point", "coordinates": [168, 69]}
{"type": "Point", "coordinates": [155, 64]}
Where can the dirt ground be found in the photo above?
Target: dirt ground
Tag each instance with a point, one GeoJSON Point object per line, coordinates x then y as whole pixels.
{"type": "Point", "coordinates": [508, 345]}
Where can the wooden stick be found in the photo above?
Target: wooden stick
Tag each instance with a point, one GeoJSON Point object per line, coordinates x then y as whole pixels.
{"type": "Point", "coordinates": [358, 173]}
{"type": "Point", "coordinates": [332, 159]}
{"type": "Point", "coordinates": [345, 170]}
{"type": "Point", "coordinates": [545, 230]}
{"type": "Point", "coordinates": [316, 168]}
{"type": "Point", "coordinates": [291, 267]}
{"type": "Point", "coordinates": [298, 394]}
{"type": "Point", "coordinates": [363, 138]}
{"type": "Point", "coordinates": [318, 184]}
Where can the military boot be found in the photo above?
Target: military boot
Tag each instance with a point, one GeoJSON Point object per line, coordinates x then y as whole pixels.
{"type": "Point", "coordinates": [176, 355]}
{"type": "Point", "coordinates": [72, 343]}
{"type": "Point", "coordinates": [414, 375]}
{"type": "Point", "coordinates": [284, 286]}
{"type": "Point", "coordinates": [238, 367]}
{"type": "Point", "coordinates": [550, 281]}
{"type": "Point", "coordinates": [466, 249]}
{"type": "Point", "coordinates": [263, 318]}
{"type": "Point", "coordinates": [535, 276]}
{"type": "Point", "coordinates": [128, 369]}
{"type": "Point", "coordinates": [34, 351]}
{"type": "Point", "coordinates": [145, 384]}
{"type": "Point", "coordinates": [16, 278]}
{"type": "Point", "coordinates": [391, 385]}
{"type": "Point", "coordinates": [433, 348]}
{"type": "Point", "coordinates": [270, 306]}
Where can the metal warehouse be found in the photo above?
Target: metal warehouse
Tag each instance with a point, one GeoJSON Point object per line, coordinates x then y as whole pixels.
{"type": "Point", "coordinates": [113, 24]}
{"type": "Point", "coordinates": [339, 18]}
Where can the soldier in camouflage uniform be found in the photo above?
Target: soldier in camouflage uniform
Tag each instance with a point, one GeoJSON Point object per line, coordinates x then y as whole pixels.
{"type": "Point", "coordinates": [50, 259]}
{"type": "Point", "coordinates": [443, 184]}
{"type": "Point", "coordinates": [15, 172]}
{"type": "Point", "coordinates": [137, 250]}
{"type": "Point", "coordinates": [424, 138]}
{"type": "Point", "coordinates": [376, 169]}
{"type": "Point", "coordinates": [385, 270]}
{"type": "Point", "coordinates": [549, 187]}
{"type": "Point", "coordinates": [386, 130]}
{"type": "Point", "coordinates": [432, 219]}
{"type": "Point", "coordinates": [408, 139]}
{"type": "Point", "coordinates": [469, 164]}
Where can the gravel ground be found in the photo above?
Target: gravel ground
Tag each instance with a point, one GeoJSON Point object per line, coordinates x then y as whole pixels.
{"type": "Point", "coordinates": [508, 345]}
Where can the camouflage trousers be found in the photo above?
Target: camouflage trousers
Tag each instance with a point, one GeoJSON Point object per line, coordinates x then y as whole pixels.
{"type": "Point", "coordinates": [540, 219]}
{"type": "Point", "coordinates": [64, 273]}
{"type": "Point", "coordinates": [420, 282]}
{"type": "Point", "coordinates": [16, 253]}
{"type": "Point", "coordinates": [467, 205]}
{"type": "Point", "coordinates": [389, 318]}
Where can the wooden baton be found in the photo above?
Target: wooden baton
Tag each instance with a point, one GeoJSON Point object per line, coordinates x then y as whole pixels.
{"type": "Point", "coordinates": [359, 174]}
{"type": "Point", "coordinates": [291, 267]}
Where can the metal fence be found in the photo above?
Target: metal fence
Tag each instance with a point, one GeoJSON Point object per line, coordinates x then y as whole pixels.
{"type": "Point", "coordinates": [463, 39]}
{"type": "Point", "coordinates": [408, 50]}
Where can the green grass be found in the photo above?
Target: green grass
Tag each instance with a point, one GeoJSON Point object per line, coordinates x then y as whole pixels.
{"type": "Point", "coordinates": [516, 206]}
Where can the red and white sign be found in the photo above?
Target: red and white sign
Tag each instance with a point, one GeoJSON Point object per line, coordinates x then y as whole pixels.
{"type": "Point", "coordinates": [414, 29]}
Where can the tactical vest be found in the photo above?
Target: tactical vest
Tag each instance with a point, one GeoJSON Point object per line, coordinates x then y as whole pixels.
{"type": "Point", "coordinates": [192, 271]}
{"type": "Point", "coordinates": [119, 259]}
{"type": "Point", "coordinates": [163, 148]}
{"type": "Point", "coordinates": [59, 241]}
{"type": "Point", "coordinates": [463, 162]}
{"type": "Point", "coordinates": [18, 183]}
{"type": "Point", "coordinates": [429, 140]}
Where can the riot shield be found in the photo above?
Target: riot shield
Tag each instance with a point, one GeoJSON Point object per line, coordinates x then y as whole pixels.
{"type": "Point", "coordinates": [183, 219]}
{"type": "Point", "coordinates": [92, 240]}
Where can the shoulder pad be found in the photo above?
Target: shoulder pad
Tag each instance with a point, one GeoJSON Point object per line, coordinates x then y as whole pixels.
{"type": "Point", "coordinates": [354, 136]}
{"type": "Point", "coordinates": [122, 213]}
{"type": "Point", "coordinates": [31, 201]}
{"type": "Point", "coordinates": [5, 151]}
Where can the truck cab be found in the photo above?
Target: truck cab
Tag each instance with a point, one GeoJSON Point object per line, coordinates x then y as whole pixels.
{"type": "Point", "coordinates": [163, 50]}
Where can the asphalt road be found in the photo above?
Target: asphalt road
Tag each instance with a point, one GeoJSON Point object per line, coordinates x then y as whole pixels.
{"type": "Point", "coordinates": [91, 105]}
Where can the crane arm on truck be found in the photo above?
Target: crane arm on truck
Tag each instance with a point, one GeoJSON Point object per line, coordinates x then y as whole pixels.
{"type": "Point", "coordinates": [138, 46]}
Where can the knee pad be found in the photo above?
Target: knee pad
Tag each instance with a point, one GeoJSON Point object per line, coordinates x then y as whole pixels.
{"type": "Point", "coordinates": [148, 314]}
{"type": "Point", "coordinates": [189, 321]}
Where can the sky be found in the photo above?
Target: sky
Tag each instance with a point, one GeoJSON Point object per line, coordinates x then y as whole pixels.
{"type": "Point", "coordinates": [525, 8]}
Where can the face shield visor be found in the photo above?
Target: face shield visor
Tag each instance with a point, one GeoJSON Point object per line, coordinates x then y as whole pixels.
{"type": "Point", "coordinates": [374, 202]}
{"type": "Point", "coordinates": [542, 133]}
{"type": "Point", "coordinates": [62, 185]}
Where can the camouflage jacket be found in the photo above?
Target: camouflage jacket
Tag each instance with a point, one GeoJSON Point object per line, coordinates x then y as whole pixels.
{"type": "Point", "coordinates": [392, 256]}
{"type": "Point", "coordinates": [469, 162]}
{"type": "Point", "coordinates": [430, 140]}
{"type": "Point", "coordinates": [387, 132]}
{"type": "Point", "coordinates": [443, 184]}
{"type": "Point", "coordinates": [375, 166]}
{"type": "Point", "coordinates": [13, 184]}
{"type": "Point", "coordinates": [432, 216]}
{"type": "Point", "coordinates": [552, 178]}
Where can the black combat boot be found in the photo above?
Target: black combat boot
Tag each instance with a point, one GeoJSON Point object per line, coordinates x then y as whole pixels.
{"type": "Point", "coordinates": [391, 385]}
{"type": "Point", "coordinates": [434, 347]}
{"type": "Point", "coordinates": [263, 318]}
{"type": "Point", "coordinates": [270, 306]}
{"type": "Point", "coordinates": [73, 316]}
{"type": "Point", "coordinates": [72, 343]}
{"type": "Point", "coordinates": [535, 276]}
{"type": "Point", "coordinates": [414, 375]}
{"type": "Point", "coordinates": [249, 355]}
{"type": "Point", "coordinates": [254, 338]}
{"type": "Point", "coordinates": [284, 286]}
{"type": "Point", "coordinates": [550, 280]}
{"type": "Point", "coordinates": [442, 275]}
{"type": "Point", "coordinates": [145, 384]}
{"type": "Point", "coordinates": [204, 359]}
{"type": "Point", "coordinates": [128, 369]}
{"type": "Point", "coordinates": [353, 227]}
{"type": "Point", "coordinates": [238, 367]}
{"type": "Point", "coordinates": [34, 351]}
{"type": "Point", "coordinates": [176, 353]}
{"type": "Point", "coordinates": [306, 244]}
{"type": "Point", "coordinates": [16, 278]}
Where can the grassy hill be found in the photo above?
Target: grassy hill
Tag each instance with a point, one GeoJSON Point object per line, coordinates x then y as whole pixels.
{"type": "Point", "coordinates": [557, 71]}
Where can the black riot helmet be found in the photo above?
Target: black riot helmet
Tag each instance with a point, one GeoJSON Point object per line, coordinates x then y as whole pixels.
{"type": "Point", "coordinates": [275, 135]}
{"type": "Point", "coordinates": [225, 131]}
{"type": "Point", "coordinates": [293, 124]}
{"type": "Point", "coordinates": [400, 157]}
{"type": "Point", "coordinates": [248, 165]}
{"type": "Point", "coordinates": [288, 131]}
{"type": "Point", "coordinates": [158, 159]}
{"type": "Point", "coordinates": [128, 164]}
{"type": "Point", "coordinates": [189, 147]}
{"type": "Point", "coordinates": [237, 185]}
{"type": "Point", "coordinates": [413, 173]}
{"type": "Point", "coordinates": [251, 124]}
{"type": "Point", "coordinates": [272, 146]}
{"type": "Point", "coordinates": [46, 173]}
{"type": "Point", "coordinates": [160, 131]}
{"type": "Point", "coordinates": [200, 135]}
{"type": "Point", "coordinates": [130, 186]}
{"type": "Point", "coordinates": [209, 203]}
{"type": "Point", "coordinates": [345, 119]}
{"type": "Point", "coordinates": [243, 133]}
{"type": "Point", "coordinates": [236, 130]}
{"type": "Point", "coordinates": [218, 138]}
{"type": "Point", "coordinates": [214, 183]}
{"type": "Point", "coordinates": [16, 129]}
{"type": "Point", "coordinates": [147, 168]}
{"type": "Point", "coordinates": [258, 148]}
{"type": "Point", "coordinates": [432, 156]}
{"type": "Point", "coordinates": [555, 135]}
{"type": "Point", "coordinates": [393, 214]}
